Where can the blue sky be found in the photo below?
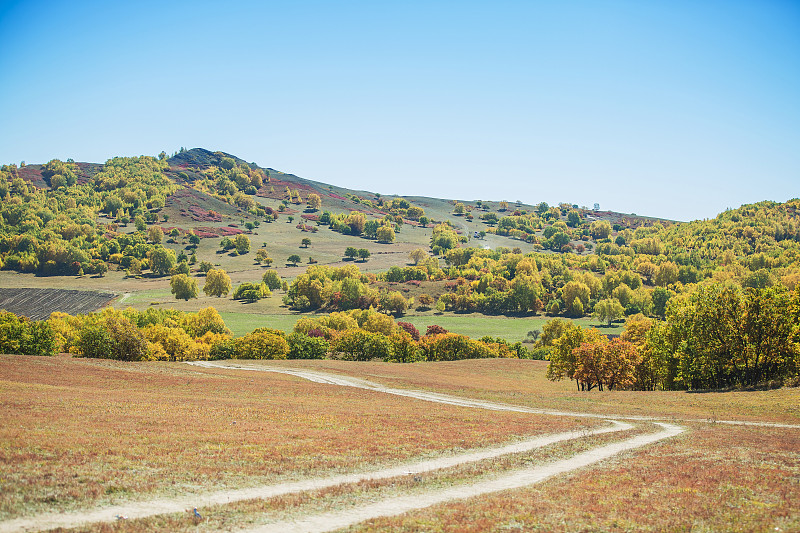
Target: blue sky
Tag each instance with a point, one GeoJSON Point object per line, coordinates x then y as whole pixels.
{"type": "Point", "coordinates": [678, 109]}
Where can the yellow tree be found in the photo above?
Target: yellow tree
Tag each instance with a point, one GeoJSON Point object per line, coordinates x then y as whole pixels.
{"type": "Point", "coordinates": [385, 234]}
{"type": "Point", "coordinates": [183, 287]}
{"type": "Point", "coordinates": [218, 283]}
{"type": "Point", "coordinates": [155, 234]}
{"type": "Point", "coordinates": [314, 201]}
{"type": "Point", "coordinates": [418, 255]}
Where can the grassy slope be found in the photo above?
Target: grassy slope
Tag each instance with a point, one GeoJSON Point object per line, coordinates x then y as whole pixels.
{"type": "Point", "coordinates": [282, 239]}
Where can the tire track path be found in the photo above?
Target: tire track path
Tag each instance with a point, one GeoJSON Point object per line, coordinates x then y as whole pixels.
{"type": "Point", "coordinates": [521, 478]}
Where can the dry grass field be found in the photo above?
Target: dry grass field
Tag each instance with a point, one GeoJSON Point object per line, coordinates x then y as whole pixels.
{"type": "Point", "coordinates": [87, 433]}
{"type": "Point", "coordinates": [77, 433]}
{"type": "Point", "coordinates": [711, 478]}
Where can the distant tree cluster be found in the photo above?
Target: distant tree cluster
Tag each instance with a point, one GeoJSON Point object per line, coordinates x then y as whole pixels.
{"type": "Point", "coordinates": [719, 336]}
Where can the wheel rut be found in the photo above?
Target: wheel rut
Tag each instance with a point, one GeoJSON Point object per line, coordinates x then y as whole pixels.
{"type": "Point", "coordinates": [387, 507]}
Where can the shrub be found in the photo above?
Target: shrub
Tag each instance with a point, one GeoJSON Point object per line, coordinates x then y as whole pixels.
{"type": "Point", "coordinates": [453, 347]}
{"type": "Point", "coordinates": [433, 329]}
{"type": "Point", "coordinates": [262, 343]}
{"type": "Point", "coordinates": [251, 292]}
{"type": "Point", "coordinates": [18, 335]}
{"type": "Point", "coordinates": [306, 346]}
{"type": "Point", "coordinates": [360, 345]}
{"type": "Point", "coordinates": [404, 349]}
{"type": "Point", "coordinates": [410, 329]}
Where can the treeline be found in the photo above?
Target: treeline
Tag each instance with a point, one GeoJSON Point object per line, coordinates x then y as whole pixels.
{"type": "Point", "coordinates": [170, 335]}
{"type": "Point", "coordinates": [718, 336]}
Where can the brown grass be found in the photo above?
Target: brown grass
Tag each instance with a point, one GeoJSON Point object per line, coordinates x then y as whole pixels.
{"type": "Point", "coordinates": [76, 432]}
{"type": "Point", "coordinates": [523, 382]}
{"type": "Point", "coordinates": [712, 478]}
{"type": "Point", "coordinates": [293, 506]}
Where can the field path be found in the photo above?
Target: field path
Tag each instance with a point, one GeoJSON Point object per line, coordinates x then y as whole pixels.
{"type": "Point", "coordinates": [347, 381]}
{"type": "Point", "coordinates": [176, 505]}
{"type": "Point", "coordinates": [520, 478]}
{"type": "Point", "coordinates": [324, 522]}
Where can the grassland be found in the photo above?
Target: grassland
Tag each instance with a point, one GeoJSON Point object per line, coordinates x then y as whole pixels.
{"type": "Point", "coordinates": [85, 432]}
{"type": "Point", "coordinates": [523, 382]}
{"type": "Point", "coordinates": [79, 433]}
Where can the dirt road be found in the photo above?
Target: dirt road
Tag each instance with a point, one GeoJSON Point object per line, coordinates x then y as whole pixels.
{"type": "Point", "coordinates": [392, 506]}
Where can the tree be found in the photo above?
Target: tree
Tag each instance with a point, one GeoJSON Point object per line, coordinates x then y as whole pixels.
{"type": "Point", "coordinates": [306, 242]}
{"type": "Point", "coordinates": [424, 221]}
{"type": "Point", "coordinates": [314, 201]}
{"type": "Point", "coordinates": [660, 298]}
{"type": "Point", "coordinates": [600, 229]}
{"type": "Point", "coordinates": [218, 283]}
{"type": "Point", "coordinates": [425, 301]}
{"type": "Point", "coordinates": [251, 292]}
{"type": "Point", "coordinates": [139, 222]}
{"type": "Point", "coordinates": [503, 206]}
{"type": "Point", "coordinates": [242, 243]}
{"type": "Point", "coordinates": [573, 218]}
{"type": "Point", "coordinates": [385, 234]}
{"type": "Point", "coordinates": [356, 222]}
{"type": "Point", "coordinates": [183, 287]}
{"type": "Point", "coordinates": [294, 259]}
{"type": "Point", "coordinates": [363, 254]}
{"type": "Point", "coordinates": [351, 252]}
{"type": "Point", "coordinates": [667, 274]}
{"type": "Point", "coordinates": [155, 234]}
{"type": "Point", "coordinates": [575, 296]}
{"type": "Point", "coordinates": [648, 270]}
{"type": "Point", "coordinates": [418, 255]}
{"type": "Point", "coordinates": [162, 260]}
{"type": "Point", "coordinates": [271, 279]}
{"type": "Point", "coordinates": [608, 310]}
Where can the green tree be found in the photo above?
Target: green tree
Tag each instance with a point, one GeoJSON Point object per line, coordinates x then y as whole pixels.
{"type": "Point", "coordinates": [306, 242]}
{"type": "Point", "coordinates": [363, 254]}
{"type": "Point", "coordinates": [294, 259]}
{"type": "Point", "coordinates": [271, 279]}
{"type": "Point", "coordinates": [660, 298]}
{"type": "Point", "coordinates": [242, 243]}
{"type": "Point", "coordinates": [351, 252]}
{"type": "Point", "coordinates": [162, 260]}
{"type": "Point", "coordinates": [608, 310]}
{"type": "Point", "coordinates": [183, 287]}
{"type": "Point", "coordinates": [251, 292]}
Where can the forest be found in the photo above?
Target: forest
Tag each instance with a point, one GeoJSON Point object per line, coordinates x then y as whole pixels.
{"type": "Point", "coordinates": [706, 304]}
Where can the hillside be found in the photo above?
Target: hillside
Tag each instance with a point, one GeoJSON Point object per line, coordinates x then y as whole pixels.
{"type": "Point", "coordinates": [204, 234]}
{"type": "Point", "coordinates": [130, 224]}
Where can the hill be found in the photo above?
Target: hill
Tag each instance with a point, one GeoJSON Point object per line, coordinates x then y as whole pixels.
{"type": "Point", "coordinates": [127, 225]}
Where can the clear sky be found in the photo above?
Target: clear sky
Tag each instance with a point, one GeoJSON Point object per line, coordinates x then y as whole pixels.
{"type": "Point", "coordinates": [678, 109]}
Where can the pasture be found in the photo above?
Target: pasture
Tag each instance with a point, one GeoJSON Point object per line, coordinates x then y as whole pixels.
{"type": "Point", "coordinates": [80, 435]}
